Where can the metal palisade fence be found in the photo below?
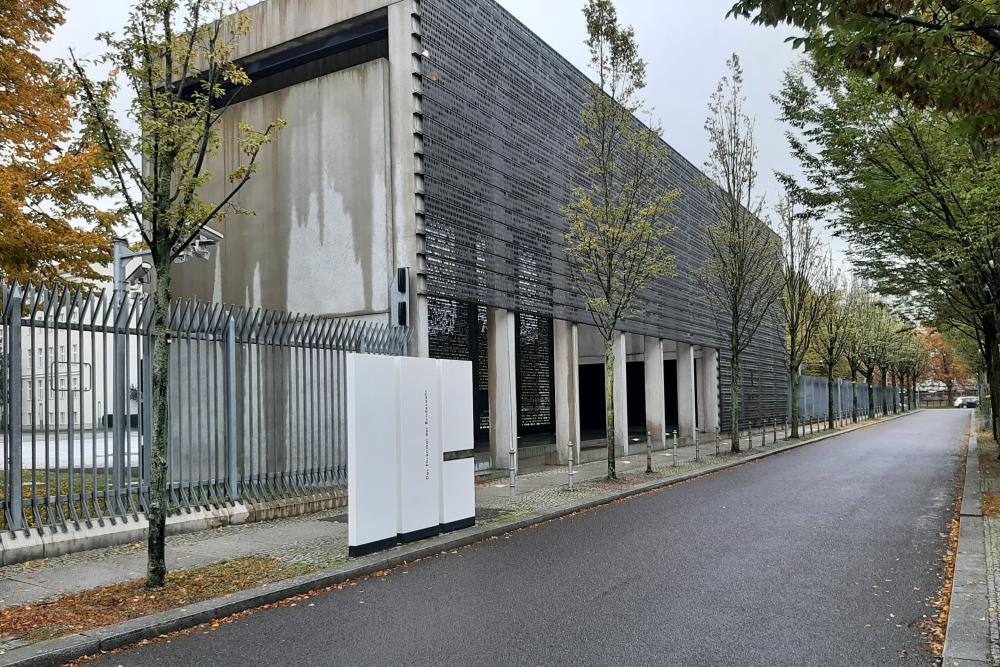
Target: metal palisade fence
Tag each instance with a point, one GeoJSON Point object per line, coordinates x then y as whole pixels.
{"type": "Point", "coordinates": [256, 400]}
{"type": "Point", "coordinates": [814, 395]}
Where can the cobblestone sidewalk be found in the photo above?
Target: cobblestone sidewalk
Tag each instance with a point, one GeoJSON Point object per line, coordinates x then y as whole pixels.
{"type": "Point", "coordinates": [989, 470]}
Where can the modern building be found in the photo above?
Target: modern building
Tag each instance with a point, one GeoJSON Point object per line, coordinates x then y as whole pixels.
{"type": "Point", "coordinates": [438, 136]}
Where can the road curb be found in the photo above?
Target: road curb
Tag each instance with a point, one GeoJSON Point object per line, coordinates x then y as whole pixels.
{"type": "Point", "coordinates": [64, 649]}
{"type": "Point", "coordinates": [967, 637]}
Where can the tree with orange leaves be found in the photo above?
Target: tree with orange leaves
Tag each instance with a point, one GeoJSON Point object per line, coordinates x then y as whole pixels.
{"type": "Point", "coordinates": [49, 225]}
{"type": "Point", "coordinates": [947, 367]}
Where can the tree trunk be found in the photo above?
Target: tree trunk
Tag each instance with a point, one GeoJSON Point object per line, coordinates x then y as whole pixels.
{"type": "Point", "coordinates": [885, 389]}
{"type": "Point", "coordinates": [854, 393]}
{"type": "Point", "coordinates": [609, 364]}
{"type": "Point", "coordinates": [157, 514]}
{"type": "Point", "coordinates": [992, 374]}
{"type": "Point", "coordinates": [870, 381]}
{"type": "Point", "coordinates": [829, 396]}
{"type": "Point", "coordinates": [795, 381]}
{"type": "Point", "coordinates": [950, 392]}
{"type": "Point", "coordinates": [993, 377]}
{"type": "Point", "coordinates": [734, 407]}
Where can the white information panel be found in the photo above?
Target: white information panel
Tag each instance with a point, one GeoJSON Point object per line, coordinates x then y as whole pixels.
{"type": "Point", "coordinates": [419, 448]}
{"type": "Point", "coordinates": [458, 486]}
{"type": "Point", "coordinates": [372, 488]}
{"type": "Point", "coordinates": [410, 468]}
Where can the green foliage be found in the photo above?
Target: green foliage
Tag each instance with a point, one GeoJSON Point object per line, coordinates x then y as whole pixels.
{"type": "Point", "coordinates": [914, 197]}
{"type": "Point", "coordinates": [943, 54]}
{"type": "Point", "coordinates": [618, 227]}
{"type": "Point", "coordinates": [176, 58]}
{"type": "Point", "coordinates": [616, 243]}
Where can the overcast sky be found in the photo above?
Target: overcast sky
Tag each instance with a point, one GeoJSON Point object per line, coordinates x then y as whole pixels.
{"type": "Point", "coordinates": [686, 44]}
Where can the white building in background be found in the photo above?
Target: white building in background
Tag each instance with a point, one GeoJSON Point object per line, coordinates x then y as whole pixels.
{"type": "Point", "coordinates": [66, 370]}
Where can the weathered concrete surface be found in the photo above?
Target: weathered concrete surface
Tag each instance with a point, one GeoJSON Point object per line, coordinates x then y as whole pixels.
{"type": "Point", "coordinates": [501, 345]}
{"type": "Point", "coordinates": [656, 418]}
{"type": "Point", "coordinates": [322, 199]}
{"type": "Point", "coordinates": [566, 372]}
{"type": "Point", "coordinates": [287, 20]}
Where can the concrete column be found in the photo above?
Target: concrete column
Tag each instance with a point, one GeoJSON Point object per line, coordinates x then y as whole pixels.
{"type": "Point", "coordinates": [710, 389]}
{"type": "Point", "coordinates": [621, 392]}
{"type": "Point", "coordinates": [566, 352]}
{"type": "Point", "coordinates": [685, 392]}
{"type": "Point", "coordinates": [656, 414]}
{"type": "Point", "coordinates": [407, 176]}
{"type": "Point", "coordinates": [502, 365]}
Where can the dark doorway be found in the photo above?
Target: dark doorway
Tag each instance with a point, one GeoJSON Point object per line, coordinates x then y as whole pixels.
{"type": "Point", "coordinates": [635, 383]}
{"type": "Point", "coordinates": [670, 393]}
{"type": "Point", "coordinates": [592, 416]}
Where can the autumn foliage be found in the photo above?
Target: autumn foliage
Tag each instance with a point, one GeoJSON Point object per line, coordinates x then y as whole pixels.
{"type": "Point", "coordinates": [946, 365]}
{"type": "Point", "coordinates": [49, 226]}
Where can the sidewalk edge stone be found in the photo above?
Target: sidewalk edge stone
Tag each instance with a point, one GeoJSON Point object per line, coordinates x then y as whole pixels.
{"type": "Point", "coordinates": [967, 637]}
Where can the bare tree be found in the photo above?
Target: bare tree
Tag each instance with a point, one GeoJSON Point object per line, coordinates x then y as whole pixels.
{"type": "Point", "coordinates": [833, 337]}
{"type": "Point", "coordinates": [616, 243]}
{"type": "Point", "coordinates": [805, 295]}
{"type": "Point", "coordinates": [742, 277]}
{"type": "Point", "coordinates": [858, 310]}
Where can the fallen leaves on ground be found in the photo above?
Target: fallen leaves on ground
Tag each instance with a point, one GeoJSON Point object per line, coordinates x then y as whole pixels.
{"type": "Point", "coordinates": [106, 606]}
{"type": "Point", "coordinates": [991, 504]}
{"type": "Point", "coordinates": [935, 627]}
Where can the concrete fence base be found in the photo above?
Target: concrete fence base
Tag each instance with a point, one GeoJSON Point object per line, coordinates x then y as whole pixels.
{"type": "Point", "coordinates": [21, 547]}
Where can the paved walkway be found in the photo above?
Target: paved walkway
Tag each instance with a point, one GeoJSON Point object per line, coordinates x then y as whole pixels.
{"type": "Point", "coordinates": [320, 540]}
{"type": "Point", "coordinates": [990, 508]}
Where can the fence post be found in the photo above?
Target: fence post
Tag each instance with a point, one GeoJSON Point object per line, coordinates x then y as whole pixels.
{"type": "Point", "coordinates": [15, 490]}
{"type": "Point", "coordinates": [118, 387]}
{"type": "Point", "coordinates": [229, 400]}
{"type": "Point", "coordinates": [146, 406]}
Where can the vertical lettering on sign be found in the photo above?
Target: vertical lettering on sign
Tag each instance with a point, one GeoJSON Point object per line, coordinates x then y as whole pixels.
{"type": "Point", "coordinates": [427, 437]}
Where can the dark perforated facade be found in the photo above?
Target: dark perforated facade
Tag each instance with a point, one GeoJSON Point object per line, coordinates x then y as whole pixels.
{"type": "Point", "coordinates": [500, 113]}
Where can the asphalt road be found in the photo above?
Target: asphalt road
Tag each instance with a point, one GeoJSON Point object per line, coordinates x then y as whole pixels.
{"type": "Point", "coordinates": [826, 555]}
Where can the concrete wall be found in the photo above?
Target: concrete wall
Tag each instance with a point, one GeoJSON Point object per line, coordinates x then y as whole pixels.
{"type": "Point", "coordinates": [277, 22]}
{"type": "Point", "coordinates": [321, 197]}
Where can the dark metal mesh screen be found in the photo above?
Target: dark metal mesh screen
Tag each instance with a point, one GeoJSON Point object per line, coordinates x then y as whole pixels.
{"type": "Point", "coordinates": [535, 391]}
{"type": "Point", "coordinates": [500, 114]}
{"type": "Point", "coordinates": [458, 331]}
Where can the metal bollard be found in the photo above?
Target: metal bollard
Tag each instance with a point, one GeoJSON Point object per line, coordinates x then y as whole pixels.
{"type": "Point", "coordinates": [675, 447]}
{"type": "Point", "coordinates": [774, 430]}
{"type": "Point", "coordinates": [513, 471]}
{"type": "Point", "coordinates": [697, 446]}
{"type": "Point", "coordinates": [750, 435]}
{"type": "Point", "coordinates": [649, 452]}
{"type": "Point", "coordinates": [763, 433]}
{"type": "Point", "coordinates": [716, 440]}
{"type": "Point", "coordinates": [571, 472]}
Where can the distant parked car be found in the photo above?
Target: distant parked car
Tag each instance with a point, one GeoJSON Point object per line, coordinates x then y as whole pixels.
{"type": "Point", "coordinates": [966, 402]}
